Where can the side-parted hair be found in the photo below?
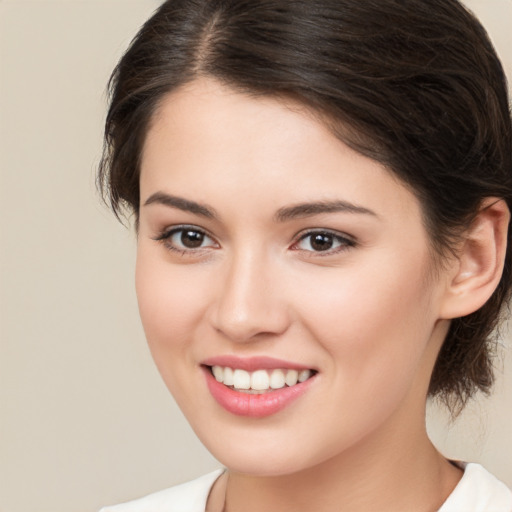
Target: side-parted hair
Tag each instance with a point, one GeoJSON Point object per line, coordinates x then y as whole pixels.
{"type": "Point", "coordinates": [413, 84]}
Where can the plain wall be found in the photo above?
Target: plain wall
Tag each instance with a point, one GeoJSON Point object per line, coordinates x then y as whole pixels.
{"type": "Point", "coordinates": [84, 418]}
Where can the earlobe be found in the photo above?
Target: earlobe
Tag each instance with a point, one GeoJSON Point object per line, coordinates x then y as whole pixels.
{"type": "Point", "coordinates": [477, 270]}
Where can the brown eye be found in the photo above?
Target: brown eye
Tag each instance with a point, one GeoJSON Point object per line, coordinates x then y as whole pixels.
{"type": "Point", "coordinates": [323, 242]}
{"type": "Point", "coordinates": [191, 239]}
{"type": "Point", "coordinates": [186, 239]}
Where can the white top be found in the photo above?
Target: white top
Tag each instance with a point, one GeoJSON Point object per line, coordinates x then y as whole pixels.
{"type": "Point", "coordinates": [477, 491]}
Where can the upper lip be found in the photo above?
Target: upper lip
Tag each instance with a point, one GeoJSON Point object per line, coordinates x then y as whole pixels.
{"type": "Point", "coordinates": [251, 364]}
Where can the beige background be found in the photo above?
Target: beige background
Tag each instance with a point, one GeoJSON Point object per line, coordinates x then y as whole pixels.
{"type": "Point", "coordinates": [84, 418]}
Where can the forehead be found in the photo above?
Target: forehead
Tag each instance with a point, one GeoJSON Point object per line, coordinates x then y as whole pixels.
{"type": "Point", "coordinates": [218, 142]}
{"type": "Point", "coordinates": [214, 114]}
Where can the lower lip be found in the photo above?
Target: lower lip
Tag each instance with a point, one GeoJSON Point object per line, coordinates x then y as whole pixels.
{"type": "Point", "coordinates": [254, 405]}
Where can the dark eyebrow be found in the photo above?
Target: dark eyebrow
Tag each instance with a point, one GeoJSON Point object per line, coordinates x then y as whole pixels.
{"type": "Point", "coordinates": [182, 204]}
{"type": "Point", "coordinates": [309, 209]}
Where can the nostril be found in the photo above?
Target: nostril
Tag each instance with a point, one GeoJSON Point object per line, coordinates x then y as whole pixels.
{"type": "Point", "coordinates": [242, 327]}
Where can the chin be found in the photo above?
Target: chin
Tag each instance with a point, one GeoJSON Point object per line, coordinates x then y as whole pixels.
{"type": "Point", "coordinates": [262, 453]}
{"type": "Point", "coordinates": [262, 464]}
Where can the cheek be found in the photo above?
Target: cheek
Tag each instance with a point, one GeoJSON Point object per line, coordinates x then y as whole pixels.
{"type": "Point", "coordinates": [374, 323]}
{"type": "Point", "coordinates": [170, 302]}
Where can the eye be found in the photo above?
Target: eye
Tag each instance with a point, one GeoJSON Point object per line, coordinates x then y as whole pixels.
{"type": "Point", "coordinates": [323, 242]}
{"type": "Point", "coordinates": [186, 239]}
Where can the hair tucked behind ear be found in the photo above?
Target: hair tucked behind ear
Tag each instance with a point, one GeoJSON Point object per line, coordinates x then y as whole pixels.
{"type": "Point", "coordinates": [414, 84]}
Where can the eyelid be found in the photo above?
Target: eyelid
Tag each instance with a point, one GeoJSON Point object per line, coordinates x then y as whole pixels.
{"type": "Point", "coordinates": [170, 230]}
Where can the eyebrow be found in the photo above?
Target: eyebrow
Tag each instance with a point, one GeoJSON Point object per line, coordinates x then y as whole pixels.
{"type": "Point", "coordinates": [181, 204]}
{"type": "Point", "coordinates": [282, 215]}
{"type": "Point", "coordinates": [310, 209]}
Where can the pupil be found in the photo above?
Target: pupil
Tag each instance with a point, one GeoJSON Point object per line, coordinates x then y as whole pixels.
{"type": "Point", "coordinates": [321, 242]}
{"type": "Point", "coordinates": [192, 239]}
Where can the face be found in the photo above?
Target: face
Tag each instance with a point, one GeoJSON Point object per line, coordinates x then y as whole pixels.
{"type": "Point", "coordinates": [294, 269]}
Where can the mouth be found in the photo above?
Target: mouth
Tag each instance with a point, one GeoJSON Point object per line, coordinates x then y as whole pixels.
{"type": "Point", "coordinates": [258, 390]}
{"type": "Point", "coordinates": [259, 381]}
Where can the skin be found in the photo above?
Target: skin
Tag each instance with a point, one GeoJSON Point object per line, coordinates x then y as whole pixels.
{"type": "Point", "coordinates": [369, 315]}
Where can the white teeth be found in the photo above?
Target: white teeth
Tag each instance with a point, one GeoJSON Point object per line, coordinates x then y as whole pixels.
{"type": "Point", "coordinates": [218, 373]}
{"type": "Point", "coordinates": [291, 377]}
{"type": "Point", "coordinates": [259, 380]}
{"type": "Point", "coordinates": [241, 379]}
{"type": "Point", "coordinates": [277, 379]}
{"type": "Point", "coordinates": [228, 376]}
{"type": "Point", "coordinates": [304, 375]}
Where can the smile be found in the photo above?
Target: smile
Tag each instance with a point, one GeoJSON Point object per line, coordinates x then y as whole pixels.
{"type": "Point", "coordinates": [256, 387]}
{"type": "Point", "coordinates": [259, 381]}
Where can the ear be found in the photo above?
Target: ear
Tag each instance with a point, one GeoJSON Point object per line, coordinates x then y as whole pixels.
{"type": "Point", "coordinates": [477, 270]}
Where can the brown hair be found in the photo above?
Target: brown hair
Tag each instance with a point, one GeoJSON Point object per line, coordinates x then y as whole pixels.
{"type": "Point", "coordinates": [414, 84]}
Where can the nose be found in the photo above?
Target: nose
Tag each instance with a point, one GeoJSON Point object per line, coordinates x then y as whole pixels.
{"type": "Point", "coordinates": [249, 303]}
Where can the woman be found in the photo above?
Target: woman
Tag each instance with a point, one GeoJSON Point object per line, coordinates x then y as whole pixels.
{"type": "Point", "coordinates": [321, 192]}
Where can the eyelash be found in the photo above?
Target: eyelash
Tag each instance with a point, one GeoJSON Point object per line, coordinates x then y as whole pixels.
{"type": "Point", "coordinates": [165, 238]}
{"type": "Point", "coordinates": [344, 241]}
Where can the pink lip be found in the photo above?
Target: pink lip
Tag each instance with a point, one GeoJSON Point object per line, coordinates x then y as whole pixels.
{"type": "Point", "coordinates": [254, 406]}
{"type": "Point", "coordinates": [251, 364]}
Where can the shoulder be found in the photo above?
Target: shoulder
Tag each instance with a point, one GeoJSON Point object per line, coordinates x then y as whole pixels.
{"type": "Point", "coordinates": [188, 497]}
{"type": "Point", "coordinates": [478, 491]}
